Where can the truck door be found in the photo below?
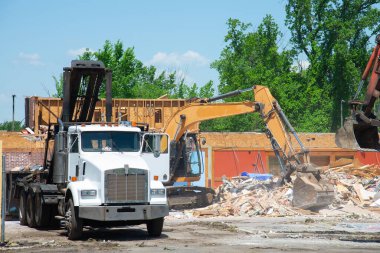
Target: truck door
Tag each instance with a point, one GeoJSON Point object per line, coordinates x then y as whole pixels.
{"type": "Point", "coordinates": [155, 151]}
{"type": "Point", "coordinates": [73, 156]}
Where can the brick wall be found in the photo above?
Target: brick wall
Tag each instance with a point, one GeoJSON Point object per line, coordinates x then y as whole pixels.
{"type": "Point", "coordinates": [23, 159]}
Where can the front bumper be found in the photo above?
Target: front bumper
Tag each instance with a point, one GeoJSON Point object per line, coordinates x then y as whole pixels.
{"type": "Point", "coordinates": [123, 213]}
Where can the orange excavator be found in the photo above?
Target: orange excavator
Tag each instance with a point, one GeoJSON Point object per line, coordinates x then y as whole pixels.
{"type": "Point", "coordinates": [310, 191]}
{"type": "Point", "coordinates": [360, 129]}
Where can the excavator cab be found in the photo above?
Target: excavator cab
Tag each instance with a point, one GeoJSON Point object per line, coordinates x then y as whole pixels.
{"type": "Point", "coordinates": [360, 130]}
{"type": "Point", "coordinates": [186, 167]}
{"type": "Point", "coordinates": [186, 163]}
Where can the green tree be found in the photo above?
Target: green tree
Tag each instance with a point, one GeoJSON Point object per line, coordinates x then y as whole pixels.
{"type": "Point", "coordinates": [132, 79]}
{"type": "Point", "coordinates": [207, 90]}
{"type": "Point", "coordinates": [9, 125]}
{"type": "Point", "coordinates": [253, 57]}
{"type": "Point", "coordinates": [58, 86]}
{"type": "Point", "coordinates": [334, 35]}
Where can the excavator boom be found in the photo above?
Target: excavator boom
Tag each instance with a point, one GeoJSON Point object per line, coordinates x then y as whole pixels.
{"type": "Point", "coordinates": [310, 191]}
{"type": "Point", "coordinates": [188, 116]}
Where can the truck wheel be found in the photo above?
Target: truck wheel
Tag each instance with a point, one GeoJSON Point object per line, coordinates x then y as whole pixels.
{"type": "Point", "coordinates": [154, 227]}
{"type": "Point", "coordinates": [22, 208]}
{"type": "Point", "coordinates": [41, 213]}
{"type": "Point", "coordinates": [74, 224]}
{"type": "Point", "coordinates": [30, 210]}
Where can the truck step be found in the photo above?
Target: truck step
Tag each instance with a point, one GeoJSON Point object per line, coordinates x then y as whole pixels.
{"type": "Point", "coordinates": [58, 217]}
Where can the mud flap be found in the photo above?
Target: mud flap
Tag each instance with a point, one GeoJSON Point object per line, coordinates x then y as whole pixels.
{"type": "Point", "coordinates": [310, 193]}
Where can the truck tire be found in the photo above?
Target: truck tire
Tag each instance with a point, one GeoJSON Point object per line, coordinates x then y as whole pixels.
{"type": "Point", "coordinates": [22, 208]}
{"type": "Point", "coordinates": [30, 207]}
{"type": "Point", "coordinates": [154, 227]}
{"type": "Point", "coordinates": [41, 211]}
{"type": "Point", "coordinates": [74, 225]}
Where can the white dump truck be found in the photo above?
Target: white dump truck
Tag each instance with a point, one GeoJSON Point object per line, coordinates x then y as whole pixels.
{"type": "Point", "coordinates": [95, 174]}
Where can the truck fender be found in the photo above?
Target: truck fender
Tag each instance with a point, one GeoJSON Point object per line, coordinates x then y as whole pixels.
{"type": "Point", "coordinates": [72, 192]}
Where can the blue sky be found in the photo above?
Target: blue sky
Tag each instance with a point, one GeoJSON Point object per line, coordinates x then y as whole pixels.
{"type": "Point", "coordinates": [39, 38]}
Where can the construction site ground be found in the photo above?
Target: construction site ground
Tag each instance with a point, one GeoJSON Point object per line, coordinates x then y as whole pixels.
{"type": "Point", "coordinates": [350, 230]}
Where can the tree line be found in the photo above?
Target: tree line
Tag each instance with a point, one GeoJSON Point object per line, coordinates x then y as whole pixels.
{"type": "Point", "coordinates": [317, 70]}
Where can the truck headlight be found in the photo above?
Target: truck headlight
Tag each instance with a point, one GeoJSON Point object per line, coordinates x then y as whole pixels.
{"type": "Point", "coordinates": [88, 193]}
{"type": "Point", "coordinates": [157, 192]}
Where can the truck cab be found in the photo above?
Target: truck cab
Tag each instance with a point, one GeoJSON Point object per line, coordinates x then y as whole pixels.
{"type": "Point", "coordinates": [109, 180]}
{"type": "Point", "coordinates": [102, 176]}
{"type": "Point", "coordinates": [95, 173]}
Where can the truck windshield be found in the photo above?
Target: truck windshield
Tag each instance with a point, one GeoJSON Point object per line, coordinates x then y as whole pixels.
{"type": "Point", "coordinates": [111, 141]}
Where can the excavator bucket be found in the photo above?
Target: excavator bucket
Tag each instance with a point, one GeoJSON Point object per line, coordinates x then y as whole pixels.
{"type": "Point", "coordinates": [356, 135]}
{"type": "Point", "coordinates": [345, 136]}
{"type": "Point", "coordinates": [360, 130]}
{"type": "Point", "coordinates": [311, 192]}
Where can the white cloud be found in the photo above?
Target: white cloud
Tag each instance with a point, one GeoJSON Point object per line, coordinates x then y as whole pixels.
{"type": "Point", "coordinates": [181, 63]}
{"type": "Point", "coordinates": [174, 59]}
{"type": "Point", "coordinates": [79, 51]}
{"type": "Point", "coordinates": [192, 56]}
{"type": "Point", "coordinates": [32, 59]}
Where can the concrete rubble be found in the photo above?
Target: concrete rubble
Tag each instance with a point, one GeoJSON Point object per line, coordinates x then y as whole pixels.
{"type": "Point", "coordinates": [243, 196]}
{"type": "Point", "coordinates": [357, 185]}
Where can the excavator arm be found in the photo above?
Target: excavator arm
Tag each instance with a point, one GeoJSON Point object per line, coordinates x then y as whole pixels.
{"type": "Point", "coordinates": [189, 116]}
{"type": "Point", "coordinates": [360, 130]}
{"type": "Point", "coordinates": [309, 191]}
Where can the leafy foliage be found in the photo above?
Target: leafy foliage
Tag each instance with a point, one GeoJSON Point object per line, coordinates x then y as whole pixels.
{"type": "Point", "coordinates": [58, 86]}
{"type": "Point", "coordinates": [132, 79]}
{"type": "Point", "coordinates": [334, 35]}
{"type": "Point", "coordinates": [9, 125]}
{"type": "Point", "coordinates": [251, 58]}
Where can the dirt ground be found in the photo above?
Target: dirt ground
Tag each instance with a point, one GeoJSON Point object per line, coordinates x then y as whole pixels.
{"type": "Point", "coordinates": [330, 231]}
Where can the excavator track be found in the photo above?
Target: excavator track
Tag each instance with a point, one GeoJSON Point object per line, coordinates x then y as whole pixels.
{"type": "Point", "coordinates": [185, 197]}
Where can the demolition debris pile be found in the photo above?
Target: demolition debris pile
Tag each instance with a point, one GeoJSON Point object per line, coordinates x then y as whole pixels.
{"type": "Point", "coordinates": [244, 196]}
{"type": "Point", "coordinates": [359, 185]}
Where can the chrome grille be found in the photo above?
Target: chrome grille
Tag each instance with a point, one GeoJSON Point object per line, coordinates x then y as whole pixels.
{"type": "Point", "coordinates": [126, 188]}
